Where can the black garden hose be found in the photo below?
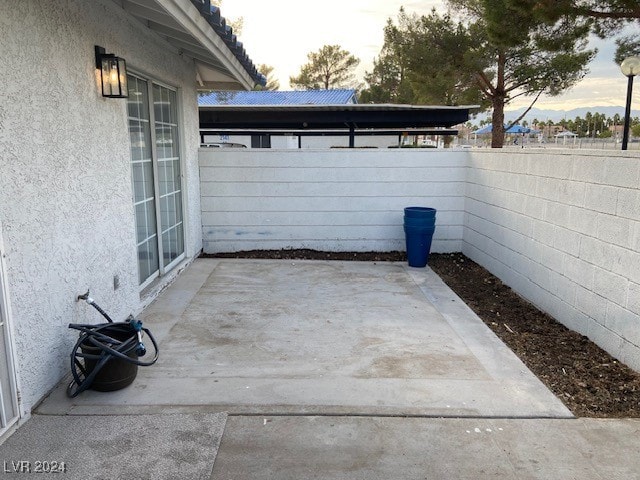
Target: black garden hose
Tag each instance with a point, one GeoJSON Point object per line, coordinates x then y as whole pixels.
{"type": "Point", "coordinates": [117, 341]}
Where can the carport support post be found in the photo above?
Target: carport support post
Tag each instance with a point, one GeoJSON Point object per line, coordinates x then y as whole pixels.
{"type": "Point", "coordinates": [352, 136]}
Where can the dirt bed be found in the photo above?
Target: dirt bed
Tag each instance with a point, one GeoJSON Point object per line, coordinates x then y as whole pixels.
{"type": "Point", "coordinates": [587, 379]}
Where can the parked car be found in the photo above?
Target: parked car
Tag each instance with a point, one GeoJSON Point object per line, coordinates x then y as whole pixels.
{"type": "Point", "coordinates": [223, 145]}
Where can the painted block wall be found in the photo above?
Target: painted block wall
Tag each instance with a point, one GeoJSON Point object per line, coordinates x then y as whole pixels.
{"type": "Point", "coordinates": [562, 228]}
{"type": "Point", "coordinates": [65, 179]}
{"type": "Point", "coordinates": [346, 200]}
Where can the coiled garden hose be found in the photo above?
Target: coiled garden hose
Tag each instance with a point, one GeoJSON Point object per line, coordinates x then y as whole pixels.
{"type": "Point", "coordinates": [101, 343]}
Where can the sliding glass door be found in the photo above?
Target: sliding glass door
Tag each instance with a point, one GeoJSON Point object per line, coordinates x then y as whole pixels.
{"type": "Point", "coordinates": [156, 177]}
{"type": "Point", "coordinates": [8, 392]}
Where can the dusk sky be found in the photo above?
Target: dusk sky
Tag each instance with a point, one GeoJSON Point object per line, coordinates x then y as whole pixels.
{"type": "Point", "coordinates": [282, 32]}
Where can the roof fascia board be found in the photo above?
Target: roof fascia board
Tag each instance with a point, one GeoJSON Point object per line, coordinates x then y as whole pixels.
{"type": "Point", "coordinates": [326, 119]}
{"type": "Point", "coordinates": [188, 16]}
{"type": "Point", "coordinates": [338, 107]}
{"type": "Point", "coordinates": [217, 85]}
{"type": "Point", "coordinates": [331, 132]}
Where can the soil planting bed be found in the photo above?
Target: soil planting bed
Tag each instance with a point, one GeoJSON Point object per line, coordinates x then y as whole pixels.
{"type": "Point", "coordinates": [589, 381]}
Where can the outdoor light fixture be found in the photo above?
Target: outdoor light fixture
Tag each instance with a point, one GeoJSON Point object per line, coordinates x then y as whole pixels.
{"type": "Point", "coordinates": [629, 67]}
{"type": "Point", "coordinates": [113, 74]}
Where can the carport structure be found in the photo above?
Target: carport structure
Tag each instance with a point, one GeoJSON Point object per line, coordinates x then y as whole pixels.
{"type": "Point", "coordinates": [331, 120]}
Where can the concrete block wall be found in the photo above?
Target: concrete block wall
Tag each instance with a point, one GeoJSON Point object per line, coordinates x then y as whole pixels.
{"type": "Point", "coordinates": [562, 228]}
{"type": "Point", "coordinates": [335, 200]}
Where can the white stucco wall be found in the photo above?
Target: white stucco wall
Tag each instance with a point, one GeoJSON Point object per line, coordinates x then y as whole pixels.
{"type": "Point", "coordinates": [337, 200]}
{"type": "Point", "coordinates": [562, 228]}
{"type": "Point", "coordinates": [65, 178]}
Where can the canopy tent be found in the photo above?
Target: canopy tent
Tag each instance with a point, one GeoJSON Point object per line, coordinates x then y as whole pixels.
{"type": "Point", "coordinates": [564, 135]}
{"type": "Point", "coordinates": [483, 130]}
{"type": "Point", "coordinates": [521, 129]}
{"type": "Point", "coordinates": [512, 129]}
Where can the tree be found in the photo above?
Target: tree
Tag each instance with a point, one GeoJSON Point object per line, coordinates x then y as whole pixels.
{"type": "Point", "coordinates": [272, 83]}
{"type": "Point", "coordinates": [329, 67]}
{"type": "Point", "coordinates": [603, 17]}
{"type": "Point", "coordinates": [627, 47]}
{"type": "Point", "coordinates": [388, 82]}
{"type": "Point", "coordinates": [436, 54]}
{"type": "Point", "coordinates": [456, 62]}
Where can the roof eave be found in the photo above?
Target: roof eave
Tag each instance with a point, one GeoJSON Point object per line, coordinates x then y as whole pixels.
{"type": "Point", "coordinates": [189, 18]}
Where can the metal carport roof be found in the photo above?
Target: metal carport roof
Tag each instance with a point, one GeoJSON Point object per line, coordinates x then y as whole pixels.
{"type": "Point", "coordinates": [345, 119]}
{"type": "Point", "coordinates": [319, 117]}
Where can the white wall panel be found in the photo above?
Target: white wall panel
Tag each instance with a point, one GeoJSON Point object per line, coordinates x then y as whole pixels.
{"type": "Point", "coordinates": [327, 200]}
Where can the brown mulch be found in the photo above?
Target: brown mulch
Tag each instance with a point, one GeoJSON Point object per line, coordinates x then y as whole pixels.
{"type": "Point", "coordinates": [589, 381]}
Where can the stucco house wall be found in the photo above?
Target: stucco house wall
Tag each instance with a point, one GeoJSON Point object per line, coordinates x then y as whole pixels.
{"type": "Point", "coordinates": [65, 177]}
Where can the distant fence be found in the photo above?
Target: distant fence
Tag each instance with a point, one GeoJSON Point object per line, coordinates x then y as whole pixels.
{"type": "Point", "coordinates": [563, 143]}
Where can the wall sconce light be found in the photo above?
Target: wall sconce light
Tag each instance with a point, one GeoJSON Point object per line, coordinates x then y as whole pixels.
{"type": "Point", "coordinates": [113, 74]}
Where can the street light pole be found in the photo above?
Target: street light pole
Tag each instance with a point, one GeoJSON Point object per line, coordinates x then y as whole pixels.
{"type": "Point", "coordinates": [629, 67]}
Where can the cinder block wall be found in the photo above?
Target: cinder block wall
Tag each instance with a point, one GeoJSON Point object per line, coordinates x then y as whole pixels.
{"type": "Point", "coordinates": [562, 228]}
{"type": "Point", "coordinates": [335, 200]}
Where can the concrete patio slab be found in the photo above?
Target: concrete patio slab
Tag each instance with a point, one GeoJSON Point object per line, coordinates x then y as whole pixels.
{"type": "Point", "coordinates": [333, 448]}
{"type": "Point", "coordinates": [114, 446]}
{"type": "Point", "coordinates": [320, 337]}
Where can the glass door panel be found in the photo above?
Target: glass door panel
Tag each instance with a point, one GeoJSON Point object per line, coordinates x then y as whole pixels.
{"type": "Point", "coordinates": [143, 179]}
{"type": "Point", "coordinates": [169, 175]}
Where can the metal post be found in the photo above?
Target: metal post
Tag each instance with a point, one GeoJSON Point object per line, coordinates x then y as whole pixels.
{"type": "Point", "coordinates": [352, 137]}
{"type": "Point", "coordinates": [627, 114]}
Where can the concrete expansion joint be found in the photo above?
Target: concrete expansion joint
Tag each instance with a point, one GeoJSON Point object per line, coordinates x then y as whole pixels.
{"type": "Point", "coordinates": [400, 415]}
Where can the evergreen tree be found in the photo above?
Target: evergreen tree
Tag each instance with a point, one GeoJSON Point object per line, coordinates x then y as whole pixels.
{"type": "Point", "coordinates": [329, 67]}
{"type": "Point", "coordinates": [463, 62]}
{"type": "Point", "coordinates": [272, 82]}
{"type": "Point", "coordinates": [603, 17]}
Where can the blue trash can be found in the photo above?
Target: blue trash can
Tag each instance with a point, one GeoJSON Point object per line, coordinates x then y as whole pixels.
{"type": "Point", "coordinates": [422, 213]}
{"type": "Point", "coordinates": [419, 225]}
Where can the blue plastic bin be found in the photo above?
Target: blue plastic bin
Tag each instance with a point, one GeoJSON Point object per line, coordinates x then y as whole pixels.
{"type": "Point", "coordinates": [419, 226]}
